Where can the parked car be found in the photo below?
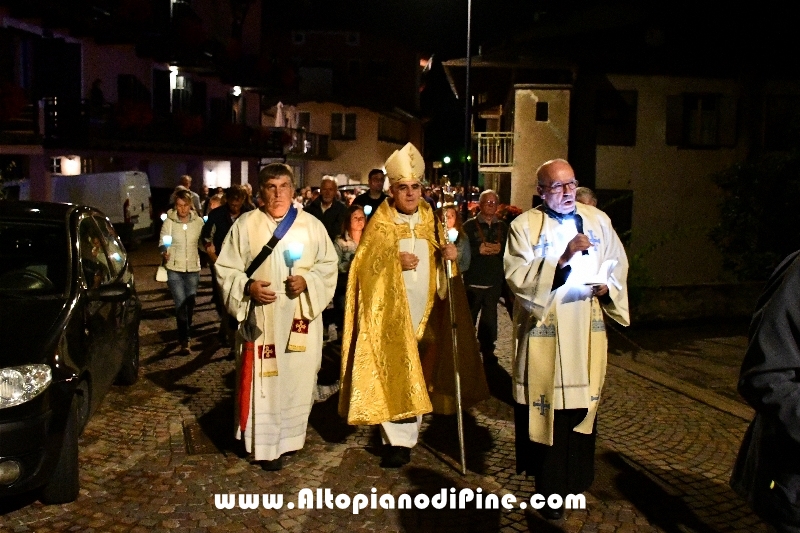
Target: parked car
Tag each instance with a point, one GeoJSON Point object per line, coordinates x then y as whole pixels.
{"type": "Point", "coordinates": [69, 327]}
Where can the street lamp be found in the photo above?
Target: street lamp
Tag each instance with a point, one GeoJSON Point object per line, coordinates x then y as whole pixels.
{"type": "Point", "coordinates": [467, 133]}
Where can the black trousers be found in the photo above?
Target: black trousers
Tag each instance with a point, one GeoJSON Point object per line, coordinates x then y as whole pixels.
{"type": "Point", "coordinates": [566, 467]}
{"type": "Point", "coordinates": [485, 301]}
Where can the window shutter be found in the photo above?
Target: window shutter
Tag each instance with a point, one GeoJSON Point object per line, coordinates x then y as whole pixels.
{"type": "Point", "coordinates": [727, 121]}
{"type": "Point", "coordinates": [336, 125]}
{"type": "Point", "coordinates": [674, 129]}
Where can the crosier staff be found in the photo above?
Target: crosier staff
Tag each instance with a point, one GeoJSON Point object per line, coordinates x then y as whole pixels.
{"type": "Point", "coordinates": [450, 236]}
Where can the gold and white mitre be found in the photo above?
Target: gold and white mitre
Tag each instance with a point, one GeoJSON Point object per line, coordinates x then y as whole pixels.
{"type": "Point", "coordinates": [405, 164]}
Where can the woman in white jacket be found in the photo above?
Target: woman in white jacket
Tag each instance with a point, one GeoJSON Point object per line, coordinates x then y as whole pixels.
{"type": "Point", "coordinates": [182, 261]}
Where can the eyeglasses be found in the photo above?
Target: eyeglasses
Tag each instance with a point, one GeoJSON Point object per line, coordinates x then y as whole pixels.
{"type": "Point", "coordinates": [559, 187]}
{"type": "Point", "coordinates": [489, 202]}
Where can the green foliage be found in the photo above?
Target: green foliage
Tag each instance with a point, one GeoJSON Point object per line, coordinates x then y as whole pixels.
{"type": "Point", "coordinates": [759, 214]}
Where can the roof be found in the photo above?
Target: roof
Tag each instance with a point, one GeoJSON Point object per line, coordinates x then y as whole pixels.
{"type": "Point", "coordinates": [44, 210]}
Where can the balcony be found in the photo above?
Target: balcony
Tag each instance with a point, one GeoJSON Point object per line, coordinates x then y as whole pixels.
{"type": "Point", "coordinates": [134, 126]}
{"type": "Point", "coordinates": [495, 151]}
{"type": "Point", "coordinates": [20, 126]}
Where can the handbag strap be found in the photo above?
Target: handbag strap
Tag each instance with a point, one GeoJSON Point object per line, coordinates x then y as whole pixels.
{"type": "Point", "coordinates": [280, 231]}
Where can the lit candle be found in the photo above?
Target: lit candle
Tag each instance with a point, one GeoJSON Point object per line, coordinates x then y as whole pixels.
{"type": "Point", "coordinates": [368, 210]}
{"type": "Point", "coordinates": [452, 235]}
{"type": "Point", "coordinates": [166, 240]}
{"type": "Point", "coordinates": [293, 252]}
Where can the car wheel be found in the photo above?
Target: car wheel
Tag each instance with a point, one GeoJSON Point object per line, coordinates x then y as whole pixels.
{"type": "Point", "coordinates": [129, 372]}
{"type": "Point", "coordinates": [64, 482]}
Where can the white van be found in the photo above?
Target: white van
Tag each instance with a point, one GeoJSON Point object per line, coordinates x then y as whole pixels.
{"type": "Point", "coordinates": [123, 196]}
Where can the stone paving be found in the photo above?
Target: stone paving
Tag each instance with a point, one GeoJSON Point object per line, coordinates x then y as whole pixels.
{"type": "Point", "coordinates": [663, 459]}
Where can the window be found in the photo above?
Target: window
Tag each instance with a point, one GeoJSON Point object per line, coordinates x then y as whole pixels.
{"type": "Point", "coordinates": [542, 112]}
{"type": "Point", "coordinates": [116, 253]}
{"type": "Point", "coordinates": [781, 122]}
{"type": "Point", "coordinates": [701, 120]}
{"type": "Point", "coordinates": [94, 261]}
{"type": "Point", "coordinates": [392, 130]}
{"type": "Point", "coordinates": [343, 126]}
{"type": "Point", "coordinates": [304, 120]}
{"type": "Point", "coordinates": [615, 118]}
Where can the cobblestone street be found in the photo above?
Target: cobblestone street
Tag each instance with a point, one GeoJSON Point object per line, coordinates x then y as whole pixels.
{"type": "Point", "coordinates": [156, 453]}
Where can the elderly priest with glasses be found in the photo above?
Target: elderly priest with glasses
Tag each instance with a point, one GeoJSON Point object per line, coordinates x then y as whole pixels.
{"type": "Point", "coordinates": [567, 268]}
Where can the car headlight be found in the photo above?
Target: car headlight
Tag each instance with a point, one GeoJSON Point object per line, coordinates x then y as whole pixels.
{"type": "Point", "coordinates": [19, 384]}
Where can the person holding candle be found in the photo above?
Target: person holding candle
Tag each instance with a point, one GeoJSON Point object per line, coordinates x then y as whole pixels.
{"type": "Point", "coordinates": [178, 243]}
{"type": "Point", "coordinates": [352, 228]}
{"type": "Point", "coordinates": [375, 196]}
{"type": "Point", "coordinates": [393, 281]}
{"type": "Point", "coordinates": [216, 227]}
{"type": "Point", "coordinates": [278, 305]}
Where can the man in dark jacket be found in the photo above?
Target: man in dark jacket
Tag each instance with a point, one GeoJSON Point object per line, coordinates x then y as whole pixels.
{"type": "Point", "coordinates": [220, 220]}
{"type": "Point", "coordinates": [371, 199]}
{"type": "Point", "coordinates": [767, 471]}
{"type": "Point", "coordinates": [327, 208]}
{"type": "Point", "coordinates": [484, 279]}
{"type": "Point", "coordinates": [331, 212]}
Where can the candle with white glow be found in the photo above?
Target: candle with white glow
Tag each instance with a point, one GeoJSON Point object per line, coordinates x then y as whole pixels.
{"type": "Point", "coordinates": [452, 235]}
{"type": "Point", "coordinates": [166, 240]}
{"type": "Point", "coordinates": [368, 210]}
{"type": "Point", "coordinates": [294, 251]}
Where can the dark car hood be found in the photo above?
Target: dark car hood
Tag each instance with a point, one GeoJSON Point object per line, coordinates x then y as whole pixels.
{"type": "Point", "coordinates": [27, 328]}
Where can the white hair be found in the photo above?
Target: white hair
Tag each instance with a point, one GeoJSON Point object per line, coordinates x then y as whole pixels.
{"type": "Point", "coordinates": [328, 178]}
{"type": "Point", "coordinates": [486, 193]}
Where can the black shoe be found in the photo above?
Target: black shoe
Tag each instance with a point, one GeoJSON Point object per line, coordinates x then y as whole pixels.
{"type": "Point", "coordinates": [551, 514]}
{"type": "Point", "coordinates": [396, 456]}
{"type": "Point", "coordinates": [272, 466]}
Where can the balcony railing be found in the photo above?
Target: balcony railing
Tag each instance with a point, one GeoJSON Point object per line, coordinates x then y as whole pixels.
{"type": "Point", "coordinates": [495, 150]}
{"type": "Point", "coordinates": [134, 125]}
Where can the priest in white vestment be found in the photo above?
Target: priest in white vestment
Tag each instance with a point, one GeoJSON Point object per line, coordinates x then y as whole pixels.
{"type": "Point", "coordinates": [567, 267]}
{"type": "Point", "coordinates": [283, 300]}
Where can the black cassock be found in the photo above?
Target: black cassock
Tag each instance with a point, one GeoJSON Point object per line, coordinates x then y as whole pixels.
{"type": "Point", "coordinates": [566, 467]}
{"type": "Point", "coordinates": [767, 470]}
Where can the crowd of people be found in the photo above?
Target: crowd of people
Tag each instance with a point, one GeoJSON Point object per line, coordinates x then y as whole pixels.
{"type": "Point", "coordinates": [292, 265]}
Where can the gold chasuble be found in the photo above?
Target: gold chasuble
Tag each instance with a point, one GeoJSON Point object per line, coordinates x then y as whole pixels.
{"type": "Point", "coordinates": [381, 376]}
